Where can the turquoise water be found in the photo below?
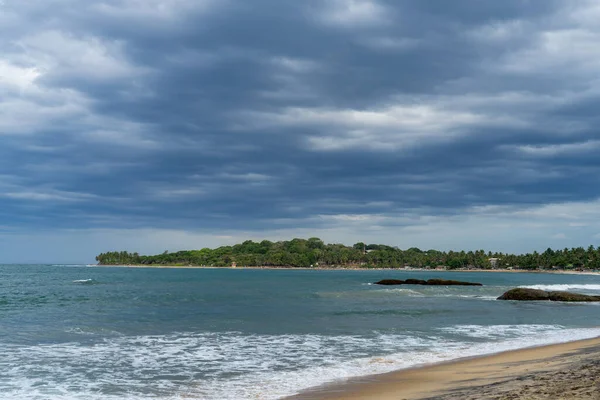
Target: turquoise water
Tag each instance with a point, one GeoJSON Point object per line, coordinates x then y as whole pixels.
{"type": "Point", "coordinates": [77, 332]}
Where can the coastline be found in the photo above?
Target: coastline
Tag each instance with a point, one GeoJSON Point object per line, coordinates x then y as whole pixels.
{"type": "Point", "coordinates": [517, 271]}
{"type": "Point", "coordinates": [568, 370]}
{"type": "Point", "coordinates": [467, 379]}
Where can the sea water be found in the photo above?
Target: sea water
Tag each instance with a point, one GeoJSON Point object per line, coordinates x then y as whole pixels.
{"type": "Point", "coordinates": [80, 332]}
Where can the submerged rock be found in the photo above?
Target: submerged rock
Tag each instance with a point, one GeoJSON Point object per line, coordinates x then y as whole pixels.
{"type": "Point", "coordinates": [567, 296]}
{"type": "Point", "coordinates": [524, 294]}
{"type": "Point", "coordinates": [431, 282]}
{"type": "Point", "coordinates": [390, 282]}
{"type": "Point", "coordinates": [446, 282]}
{"type": "Point", "coordinates": [415, 282]}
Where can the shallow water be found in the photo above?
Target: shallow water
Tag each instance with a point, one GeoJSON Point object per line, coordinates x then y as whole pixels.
{"type": "Point", "coordinates": [77, 332]}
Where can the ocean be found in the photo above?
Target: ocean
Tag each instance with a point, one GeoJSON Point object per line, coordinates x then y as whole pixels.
{"type": "Point", "coordinates": [80, 332]}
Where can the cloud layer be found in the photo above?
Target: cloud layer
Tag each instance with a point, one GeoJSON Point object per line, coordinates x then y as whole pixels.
{"type": "Point", "coordinates": [390, 120]}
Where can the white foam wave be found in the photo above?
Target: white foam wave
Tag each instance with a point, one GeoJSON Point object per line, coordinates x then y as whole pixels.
{"type": "Point", "coordinates": [87, 331]}
{"type": "Point", "coordinates": [83, 281]}
{"type": "Point", "coordinates": [67, 265]}
{"type": "Point", "coordinates": [566, 286]}
{"type": "Point", "coordinates": [501, 331]}
{"type": "Point", "coordinates": [474, 296]}
{"type": "Point", "coordinates": [409, 292]}
{"type": "Point", "coordinates": [235, 366]}
{"type": "Point", "coordinates": [441, 292]}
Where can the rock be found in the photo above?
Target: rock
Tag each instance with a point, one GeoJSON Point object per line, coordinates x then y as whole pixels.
{"type": "Point", "coordinates": [534, 294]}
{"type": "Point", "coordinates": [415, 282]}
{"type": "Point", "coordinates": [567, 296]}
{"type": "Point", "coordinates": [525, 294]}
{"type": "Point", "coordinates": [445, 282]}
{"type": "Point", "coordinates": [390, 282]}
{"type": "Point", "coordinates": [431, 282]}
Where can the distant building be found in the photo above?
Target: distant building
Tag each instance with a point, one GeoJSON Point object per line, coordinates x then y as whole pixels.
{"type": "Point", "coordinates": [494, 262]}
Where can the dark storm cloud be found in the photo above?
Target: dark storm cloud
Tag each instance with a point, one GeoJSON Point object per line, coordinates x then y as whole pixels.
{"type": "Point", "coordinates": [273, 114]}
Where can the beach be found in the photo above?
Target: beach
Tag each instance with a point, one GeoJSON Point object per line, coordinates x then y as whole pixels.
{"type": "Point", "coordinates": [562, 371]}
{"type": "Point", "coordinates": [87, 333]}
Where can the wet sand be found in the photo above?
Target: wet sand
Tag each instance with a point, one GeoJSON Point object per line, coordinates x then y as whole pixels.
{"type": "Point", "coordinates": [569, 371]}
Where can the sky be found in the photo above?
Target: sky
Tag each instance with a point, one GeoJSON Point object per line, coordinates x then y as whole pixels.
{"type": "Point", "coordinates": [152, 125]}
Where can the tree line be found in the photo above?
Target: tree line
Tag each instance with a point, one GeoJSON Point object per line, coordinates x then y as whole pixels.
{"type": "Point", "coordinates": [314, 252]}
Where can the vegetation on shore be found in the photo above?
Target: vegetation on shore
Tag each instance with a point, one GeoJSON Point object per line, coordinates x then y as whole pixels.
{"type": "Point", "coordinates": [314, 252]}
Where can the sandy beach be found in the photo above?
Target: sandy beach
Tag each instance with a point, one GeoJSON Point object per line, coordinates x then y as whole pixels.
{"type": "Point", "coordinates": [569, 371]}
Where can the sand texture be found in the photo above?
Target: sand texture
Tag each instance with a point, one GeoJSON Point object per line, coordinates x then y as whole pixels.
{"type": "Point", "coordinates": [574, 382]}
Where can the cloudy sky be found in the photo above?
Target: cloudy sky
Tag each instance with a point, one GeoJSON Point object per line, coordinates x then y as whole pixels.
{"type": "Point", "coordinates": [170, 124]}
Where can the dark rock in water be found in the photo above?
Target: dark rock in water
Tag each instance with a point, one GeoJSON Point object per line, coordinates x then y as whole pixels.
{"type": "Point", "coordinates": [431, 282]}
{"type": "Point", "coordinates": [415, 282]}
{"type": "Point", "coordinates": [525, 294]}
{"type": "Point", "coordinates": [567, 296]}
{"type": "Point", "coordinates": [534, 294]}
{"type": "Point", "coordinates": [390, 282]}
{"type": "Point", "coordinates": [445, 282]}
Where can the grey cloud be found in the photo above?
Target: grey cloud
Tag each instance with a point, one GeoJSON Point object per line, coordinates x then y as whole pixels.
{"type": "Point", "coordinates": [278, 114]}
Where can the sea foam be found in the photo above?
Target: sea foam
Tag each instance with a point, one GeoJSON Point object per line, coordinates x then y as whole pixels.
{"type": "Point", "coordinates": [84, 281]}
{"type": "Point", "coordinates": [238, 366]}
{"type": "Point", "coordinates": [566, 286]}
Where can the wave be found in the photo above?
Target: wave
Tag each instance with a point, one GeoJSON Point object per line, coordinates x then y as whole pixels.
{"type": "Point", "coordinates": [232, 365]}
{"type": "Point", "coordinates": [92, 331]}
{"type": "Point", "coordinates": [370, 293]}
{"type": "Point", "coordinates": [67, 265]}
{"type": "Point", "coordinates": [500, 331]}
{"type": "Point", "coordinates": [408, 292]}
{"type": "Point", "coordinates": [85, 282]}
{"type": "Point", "coordinates": [488, 293]}
{"type": "Point", "coordinates": [473, 296]}
{"type": "Point", "coordinates": [566, 286]}
{"type": "Point", "coordinates": [481, 293]}
{"type": "Point", "coordinates": [411, 313]}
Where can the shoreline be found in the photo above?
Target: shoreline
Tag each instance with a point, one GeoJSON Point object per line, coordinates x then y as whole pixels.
{"type": "Point", "coordinates": [567, 370]}
{"type": "Point", "coordinates": [478, 377]}
{"type": "Point", "coordinates": [518, 271]}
